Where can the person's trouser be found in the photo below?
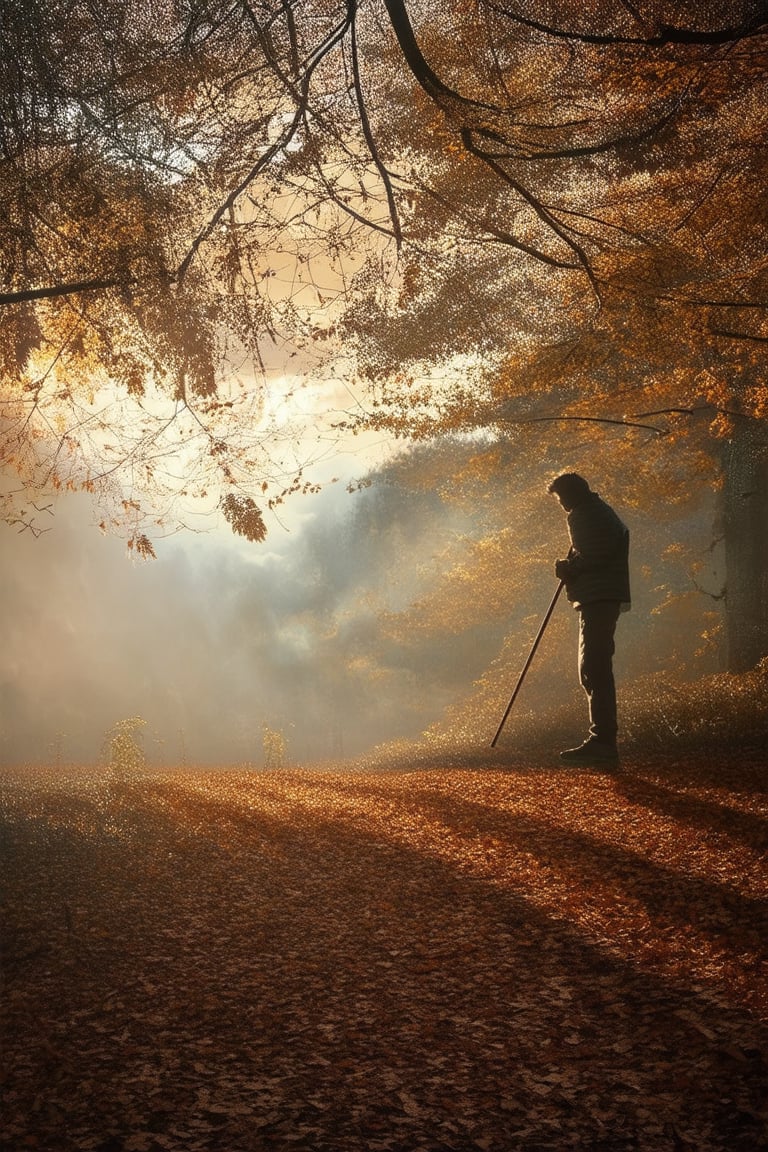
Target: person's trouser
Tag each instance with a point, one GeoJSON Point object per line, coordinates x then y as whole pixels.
{"type": "Point", "coordinates": [597, 627]}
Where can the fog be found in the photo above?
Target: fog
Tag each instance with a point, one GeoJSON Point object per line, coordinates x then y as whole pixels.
{"type": "Point", "coordinates": [218, 637]}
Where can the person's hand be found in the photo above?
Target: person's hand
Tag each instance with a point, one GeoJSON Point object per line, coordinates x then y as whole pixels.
{"type": "Point", "coordinates": [561, 569]}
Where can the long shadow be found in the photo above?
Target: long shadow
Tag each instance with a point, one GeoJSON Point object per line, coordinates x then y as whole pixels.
{"type": "Point", "coordinates": [584, 855]}
{"type": "Point", "coordinates": [671, 896]}
{"type": "Point", "coordinates": [412, 1000]}
{"type": "Point", "coordinates": [737, 766]}
{"type": "Point", "coordinates": [751, 829]}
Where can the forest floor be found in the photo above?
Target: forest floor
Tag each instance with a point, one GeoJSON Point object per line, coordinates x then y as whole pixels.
{"type": "Point", "coordinates": [509, 958]}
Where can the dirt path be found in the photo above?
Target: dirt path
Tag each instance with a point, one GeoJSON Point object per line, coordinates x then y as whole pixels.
{"type": "Point", "coordinates": [503, 960]}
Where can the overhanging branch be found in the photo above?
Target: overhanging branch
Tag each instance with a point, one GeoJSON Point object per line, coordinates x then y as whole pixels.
{"type": "Point", "coordinates": [436, 88]}
{"type": "Point", "coordinates": [588, 420]}
{"type": "Point", "coordinates": [27, 295]}
{"type": "Point", "coordinates": [667, 33]}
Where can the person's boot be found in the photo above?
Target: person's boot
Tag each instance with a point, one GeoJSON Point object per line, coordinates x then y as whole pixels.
{"type": "Point", "coordinates": [592, 753]}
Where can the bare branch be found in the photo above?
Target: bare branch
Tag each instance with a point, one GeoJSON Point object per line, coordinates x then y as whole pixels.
{"type": "Point", "coordinates": [300, 95]}
{"type": "Point", "coordinates": [499, 234]}
{"type": "Point", "coordinates": [694, 303]}
{"type": "Point", "coordinates": [229, 202]}
{"type": "Point", "coordinates": [695, 411]}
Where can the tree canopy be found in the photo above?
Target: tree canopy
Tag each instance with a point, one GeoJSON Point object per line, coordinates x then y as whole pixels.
{"type": "Point", "coordinates": [492, 215]}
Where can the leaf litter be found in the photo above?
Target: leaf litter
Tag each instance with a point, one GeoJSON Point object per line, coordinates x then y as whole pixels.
{"type": "Point", "coordinates": [510, 958]}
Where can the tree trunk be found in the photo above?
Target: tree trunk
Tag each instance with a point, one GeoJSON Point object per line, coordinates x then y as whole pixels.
{"type": "Point", "coordinates": [745, 506]}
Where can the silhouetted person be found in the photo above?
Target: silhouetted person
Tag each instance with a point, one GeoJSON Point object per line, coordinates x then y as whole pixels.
{"type": "Point", "coordinates": [596, 578]}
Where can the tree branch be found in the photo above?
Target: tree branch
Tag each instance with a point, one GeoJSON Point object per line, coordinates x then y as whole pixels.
{"type": "Point", "coordinates": [616, 142]}
{"type": "Point", "coordinates": [589, 420]}
{"type": "Point", "coordinates": [28, 294]}
{"type": "Point", "coordinates": [414, 58]}
{"type": "Point", "coordinates": [738, 335]}
{"type": "Point", "coordinates": [543, 213]}
{"type": "Point", "coordinates": [299, 93]}
{"type": "Point", "coordinates": [667, 33]}
{"type": "Point", "coordinates": [692, 303]}
{"type": "Point", "coordinates": [365, 124]}
{"type": "Point", "coordinates": [695, 411]}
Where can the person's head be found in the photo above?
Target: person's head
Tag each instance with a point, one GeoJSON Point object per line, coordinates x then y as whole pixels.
{"type": "Point", "coordinates": [570, 489]}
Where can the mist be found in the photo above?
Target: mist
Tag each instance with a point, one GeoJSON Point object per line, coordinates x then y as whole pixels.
{"type": "Point", "coordinates": [218, 637]}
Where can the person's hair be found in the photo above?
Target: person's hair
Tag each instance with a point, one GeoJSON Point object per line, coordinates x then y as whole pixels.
{"type": "Point", "coordinates": [570, 485]}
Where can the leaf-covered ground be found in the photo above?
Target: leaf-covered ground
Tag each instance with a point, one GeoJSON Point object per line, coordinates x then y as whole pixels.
{"type": "Point", "coordinates": [506, 958]}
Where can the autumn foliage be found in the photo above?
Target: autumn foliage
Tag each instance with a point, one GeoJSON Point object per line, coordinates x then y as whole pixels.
{"type": "Point", "coordinates": [492, 957]}
{"type": "Point", "coordinates": [563, 204]}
